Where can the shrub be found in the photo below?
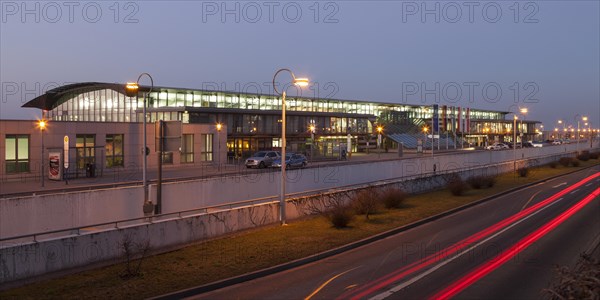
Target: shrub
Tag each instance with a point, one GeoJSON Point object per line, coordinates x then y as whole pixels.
{"type": "Point", "coordinates": [565, 161]}
{"type": "Point", "coordinates": [393, 198]}
{"type": "Point", "coordinates": [553, 165]}
{"type": "Point", "coordinates": [340, 216]}
{"type": "Point", "coordinates": [594, 155]}
{"type": "Point", "coordinates": [490, 181]}
{"type": "Point", "coordinates": [366, 202]}
{"type": "Point", "coordinates": [574, 163]}
{"type": "Point", "coordinates": [523, 172]}
{"type": "Point", "coordinates": [481, 182]}
{"type": "Point", "coordinates": [584, 156]}
{"type": "Point", "coordinates": [456, 185]}
{"type": "Point", "coordinates": [476, 182]}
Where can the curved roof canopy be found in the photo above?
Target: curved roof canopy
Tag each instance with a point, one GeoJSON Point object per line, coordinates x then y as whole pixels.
{"type": "Point", "coordinates": [57, 96]}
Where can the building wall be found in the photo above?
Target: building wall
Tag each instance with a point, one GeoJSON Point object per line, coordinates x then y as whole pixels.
{"type": "Point", "coordinates": [132, 144]}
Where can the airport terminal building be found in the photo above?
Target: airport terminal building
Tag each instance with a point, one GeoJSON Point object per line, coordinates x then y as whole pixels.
{"type": "Point", "coordinates": [104, 126]}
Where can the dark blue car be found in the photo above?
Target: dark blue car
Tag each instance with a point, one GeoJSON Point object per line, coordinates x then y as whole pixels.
{"type": "Point", "coordinates": [292, 160]}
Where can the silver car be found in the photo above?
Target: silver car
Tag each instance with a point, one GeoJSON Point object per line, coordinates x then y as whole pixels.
{"type": "Point", "coordinates": [262, 159]}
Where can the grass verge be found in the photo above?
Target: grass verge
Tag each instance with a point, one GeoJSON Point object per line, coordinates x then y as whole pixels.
{"type": "Point", "coordinates": [255, 249]}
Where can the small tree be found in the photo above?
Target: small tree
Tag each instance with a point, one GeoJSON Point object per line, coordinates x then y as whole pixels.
{"type": "Point", "coordinates": [367, 201]}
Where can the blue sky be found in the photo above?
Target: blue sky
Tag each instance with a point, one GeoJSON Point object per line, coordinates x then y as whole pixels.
{"type": "Point", "coordinates": [499, 55]}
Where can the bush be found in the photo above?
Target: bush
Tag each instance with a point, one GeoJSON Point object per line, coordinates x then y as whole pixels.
{"type": "Point", "coordinates": [479, 182]}
{"type": "Point", "coordinates": [565, 161]}
{"type": "Point", "coordinates": [574, 163]}
{"type": "Point", "coordinates": [456, 185]}
{"type": "Point", "coordinates": [366, 202]}
{"type": "Point", "coordinates": [523, 172]}
{"type": "Point", "coordinates": [475, 182]}
{"type": "Point", "coordinates": [490, 181]}
{"type": "Point", "coordinates": [393, 198]}
{"type": "Point", "coordinates": [584, 156]}
{"type": "Point", "coordinates": [553, 165]}
{"type": "Point", "coordinates": [594, 155]}
{"type": "Point", "coordinates": [340, 216]}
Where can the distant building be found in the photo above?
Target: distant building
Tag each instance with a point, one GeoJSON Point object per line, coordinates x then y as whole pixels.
{"type": "Point", "coordinates": [104, 126]}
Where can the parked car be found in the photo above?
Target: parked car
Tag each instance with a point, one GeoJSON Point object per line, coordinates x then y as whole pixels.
{"type": "Point", "coordinates": [494, 147]}
{"type": "Point", "coordinates": [292, 160]}
{"type": "Point", "coordinates": [504, 146]}
{"type": "Point", "coordinates": [556, 142]}
{"type": "Point", "coordinates": [537, 144]}
{"type": "Point", "coordinates": [262, 159]}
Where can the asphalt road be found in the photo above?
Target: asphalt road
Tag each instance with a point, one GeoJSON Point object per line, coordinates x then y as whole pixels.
{"type": "Point", "coordinates": [506, 248]}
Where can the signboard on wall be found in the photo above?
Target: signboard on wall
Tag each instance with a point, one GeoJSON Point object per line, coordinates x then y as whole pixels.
{"type": "Point", "coordinates": [66, 151]}
{"type": "Point", "coordinates": [54, 167]}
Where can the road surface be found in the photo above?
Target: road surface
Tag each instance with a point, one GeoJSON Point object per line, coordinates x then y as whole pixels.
{"type": "Point", "coordinates": [506, 248]}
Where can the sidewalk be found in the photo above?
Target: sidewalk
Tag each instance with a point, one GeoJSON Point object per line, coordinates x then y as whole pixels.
{"type": "Point", "coordinates": [33, 185]}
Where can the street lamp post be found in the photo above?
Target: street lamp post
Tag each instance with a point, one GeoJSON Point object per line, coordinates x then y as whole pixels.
{"type": "Point", "coordinates": [379, 141]}
{"type": "Point", "coordinates": [42, 125]}
{"type": "Point", "coordinates": [298, 82]}
{"type": "Point", "coordinates": [312, 138]}
{"type": "Point", "coordinates": [219, 127]}
{"type": "Point", "coordinates": [515, 143]}
{"type": "Point", "coordinates": [131, 89]}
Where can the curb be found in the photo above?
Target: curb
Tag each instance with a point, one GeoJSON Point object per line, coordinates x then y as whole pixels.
{"type": "Point", "coordinates": [302, 261]}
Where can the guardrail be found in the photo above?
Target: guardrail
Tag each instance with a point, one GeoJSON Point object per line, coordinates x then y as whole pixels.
{"type": "Point", "coordinates": [263, 200]}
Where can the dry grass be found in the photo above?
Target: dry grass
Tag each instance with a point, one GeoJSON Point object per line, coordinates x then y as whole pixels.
{"type": "Point", "coordinates": [256, 249]}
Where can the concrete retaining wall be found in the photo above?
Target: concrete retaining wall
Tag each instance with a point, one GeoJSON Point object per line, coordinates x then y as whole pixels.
{"type": "Point", "coordinates": [26, 215]}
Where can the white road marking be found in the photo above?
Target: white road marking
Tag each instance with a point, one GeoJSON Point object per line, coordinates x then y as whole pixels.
{"type": "Point", "coordinates": [588, 184]}
{"type": "Point", "coordinates": [573, 192]}
{"type": "Point", "coordinates": [438, 266]}
{"type": "Point", "coordinates": [564, 183]}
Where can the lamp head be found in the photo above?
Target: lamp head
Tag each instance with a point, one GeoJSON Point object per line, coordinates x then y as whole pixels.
{"type": "Point", "coordinates": [131, 89]}
{"type": "Point", "coordinates": [524, 110]}
{"type": "Point", "coordinates": [301, 82]}
{"type": "Point", "coordinates": [219, 126]}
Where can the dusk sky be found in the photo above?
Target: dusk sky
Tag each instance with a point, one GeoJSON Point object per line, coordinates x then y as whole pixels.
{"type": "Point", "coordinates": [542, 55]}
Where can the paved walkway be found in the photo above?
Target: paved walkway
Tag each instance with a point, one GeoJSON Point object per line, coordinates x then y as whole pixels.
{"type": "Point", "coordinates": [31, 185]}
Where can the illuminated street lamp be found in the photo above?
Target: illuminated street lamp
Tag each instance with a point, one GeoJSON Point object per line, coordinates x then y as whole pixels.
{"type": "Point", "coordinates": [42, 124]}
{"type": "Point", "coordinates": [301, 82]}
{"type": "Point", "coordinates": [425, 131]}
{"type": "Point", "coordinates": [312, 138]}
{"type": "Point", "coordinates": [219, 127]}
{"type": "Point", "coordinates": [379, 131]}
{"type": "Point", "coordinates": [131, 89]}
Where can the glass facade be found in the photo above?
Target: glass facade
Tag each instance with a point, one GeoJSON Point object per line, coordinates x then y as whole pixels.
{"type": "Point", "coordinates": [197, 106]}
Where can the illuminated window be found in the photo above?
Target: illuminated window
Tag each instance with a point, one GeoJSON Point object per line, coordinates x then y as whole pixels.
{"type": "Point", "coordinates": [207, 147]}
{"type": "Point", "coordinates": [187, 148]}
{"type": "Point", "coordinates": [16, 154]}
{"type": "Point", "coordinates": [114, 150]}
